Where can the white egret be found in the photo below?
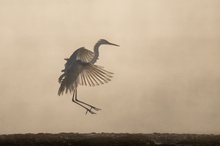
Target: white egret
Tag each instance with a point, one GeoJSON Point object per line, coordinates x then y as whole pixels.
{"type": "Point", "coordinates": [80, 70]}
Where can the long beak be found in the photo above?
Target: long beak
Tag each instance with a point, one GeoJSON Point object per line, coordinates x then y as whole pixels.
{"type": "Point", "coordinates": [113, 44]}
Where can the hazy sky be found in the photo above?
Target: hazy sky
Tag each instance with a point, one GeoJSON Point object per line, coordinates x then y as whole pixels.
{"type": "Point", "coordinates": [166, 71]}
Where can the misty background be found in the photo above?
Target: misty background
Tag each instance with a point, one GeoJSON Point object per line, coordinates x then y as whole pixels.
{"type": "Point", "coordinates": [166, 70]}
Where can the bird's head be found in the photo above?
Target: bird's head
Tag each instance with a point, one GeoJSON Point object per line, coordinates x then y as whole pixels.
{"type": "Point", "coordinates": [105, 42]}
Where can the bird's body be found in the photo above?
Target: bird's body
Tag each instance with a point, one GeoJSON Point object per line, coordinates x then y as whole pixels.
{"type": "Point", "coordinates": [80, 70]}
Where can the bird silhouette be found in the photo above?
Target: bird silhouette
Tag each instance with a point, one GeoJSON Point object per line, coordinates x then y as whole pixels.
{"type": "Point", "coordinates": [80, 69]}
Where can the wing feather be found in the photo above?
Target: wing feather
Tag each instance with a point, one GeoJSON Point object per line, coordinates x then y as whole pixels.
{"type": "Point", "coordinates": [94, 75]}
{"type": "Point", "coordinates": [84, 55]}
{"type": "Point", "coordinates": [81, 54]}
{"type": "Point", "coordinates": [82, 73]}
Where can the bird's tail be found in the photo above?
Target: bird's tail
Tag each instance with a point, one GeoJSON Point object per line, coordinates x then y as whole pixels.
{"type": "Point", "coordinates": [68, 84]}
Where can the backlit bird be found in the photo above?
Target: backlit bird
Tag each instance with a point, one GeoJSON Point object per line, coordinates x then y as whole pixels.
{"type": "Point", "coordinates": [80, 70]}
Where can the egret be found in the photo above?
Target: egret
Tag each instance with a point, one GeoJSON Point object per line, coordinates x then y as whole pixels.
{"type": "Point", "coordinates": [80, 69]}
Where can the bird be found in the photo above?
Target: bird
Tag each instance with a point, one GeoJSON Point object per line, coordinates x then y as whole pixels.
{"type": "Point", "coordinates": [80, 69]}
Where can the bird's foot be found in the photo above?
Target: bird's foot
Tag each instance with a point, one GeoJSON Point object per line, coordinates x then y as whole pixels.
{"type": "Point", "coordinates": [95, 108]}
{"type": "Point", "coordinates": [90, 110]}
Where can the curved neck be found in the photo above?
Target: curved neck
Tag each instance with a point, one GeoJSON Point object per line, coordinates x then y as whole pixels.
{"type": "Point", "coordinates": [96, 53]}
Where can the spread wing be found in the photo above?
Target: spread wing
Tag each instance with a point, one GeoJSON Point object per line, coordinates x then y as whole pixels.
{"type": "Point", "coordinates": [81, 54]}
{"type": "Point", "coordinates": [93, 75]}
{"type": "Point", "coordinates": [84, 74]}
{"type": "Point", "coordinates": [84, 55]}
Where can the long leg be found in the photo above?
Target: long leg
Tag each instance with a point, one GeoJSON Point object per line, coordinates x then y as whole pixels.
{"type": "Point", "coordinates": [92, 107]}
{"type": "Point", "coordinates": [74, 99]}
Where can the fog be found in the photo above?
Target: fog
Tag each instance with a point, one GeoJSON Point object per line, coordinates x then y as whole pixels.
{"type": "Point", "coordinates": [166, 70]}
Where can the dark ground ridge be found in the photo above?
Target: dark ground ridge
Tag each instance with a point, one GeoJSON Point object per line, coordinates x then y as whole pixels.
{"type": "Point", "coordinates": [109, 139]}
